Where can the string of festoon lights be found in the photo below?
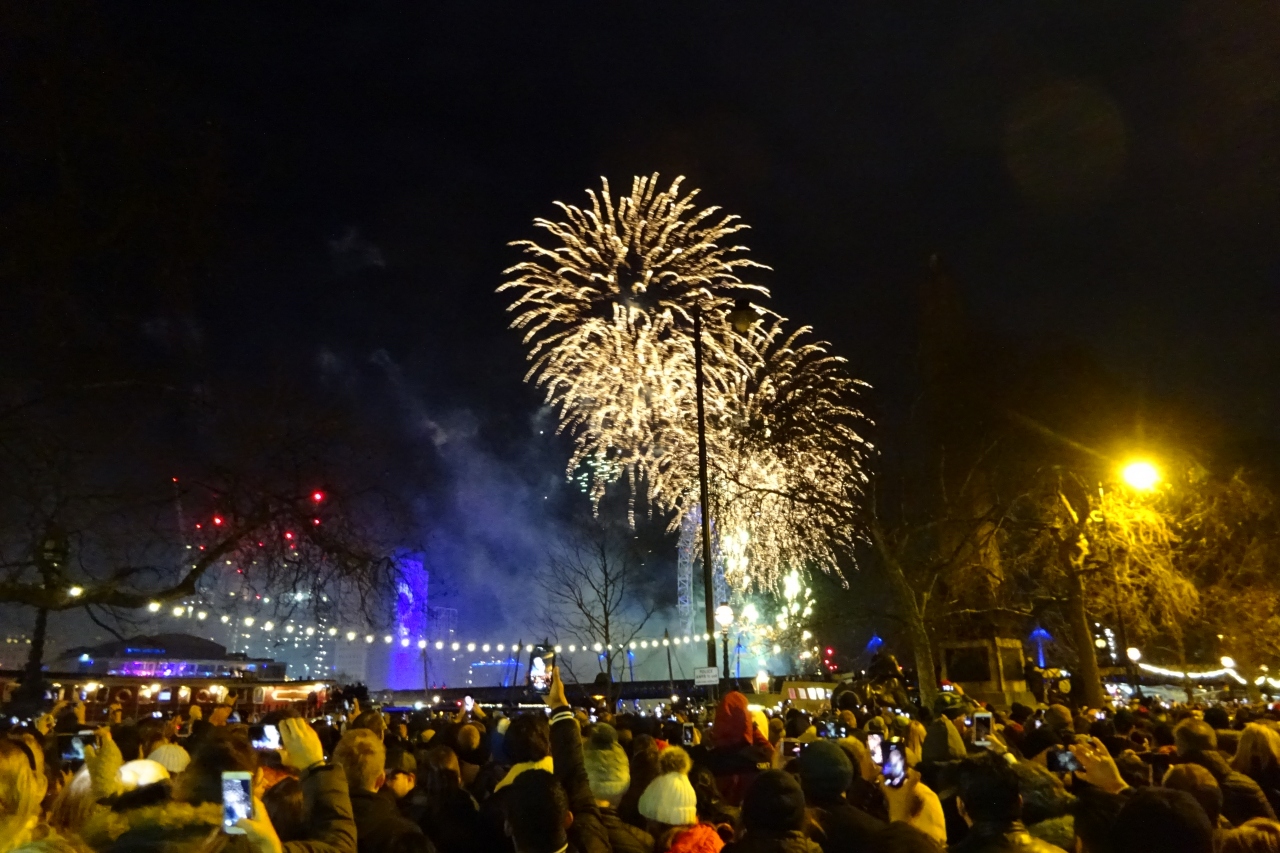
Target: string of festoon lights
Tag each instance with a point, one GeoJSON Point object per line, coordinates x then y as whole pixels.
{"type": "Point", "coordinates": [290, 627]}
{"type": "Point", "coordinates": [1228, 670]}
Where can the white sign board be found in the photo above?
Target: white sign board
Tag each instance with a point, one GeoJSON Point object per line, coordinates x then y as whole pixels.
{"type": "Point", "coordinates": [706, 676]}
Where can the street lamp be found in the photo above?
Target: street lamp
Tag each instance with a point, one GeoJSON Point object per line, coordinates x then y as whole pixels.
{"type": "Point", "coordinates": [724, 618]}
{"type": "Point", "coordinates": [1133, 654]}
{"type": "Point", "coordinates": [1141, 475]}
{"type": "Point", "coordinates": [1227, 663]}
{"type": "Point", "coordinates": [741, 317]}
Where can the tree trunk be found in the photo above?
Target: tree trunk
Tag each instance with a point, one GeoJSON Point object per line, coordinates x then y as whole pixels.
{"type": "Point", "coordinates": [921, 644]}
{"type": "Point", "coordinates": [909, 609]}
{"type": "Point", "coordinates": [1086, 674]}
{"type": "Point", "coordinates": [32, 689]}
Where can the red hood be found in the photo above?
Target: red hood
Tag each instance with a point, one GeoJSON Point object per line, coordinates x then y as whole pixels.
{"type": "Point", "coordinates": [699, 838]}
{"type": "Point", "coordinates": [733, 724]}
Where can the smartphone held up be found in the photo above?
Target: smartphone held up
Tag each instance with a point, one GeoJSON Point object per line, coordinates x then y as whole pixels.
{"type": "Point", "coordinates": [542, 662]}
{"type": "Point", "coordinates": [894, 767]}
{"type": "Point", "coordinates": [237, 800]}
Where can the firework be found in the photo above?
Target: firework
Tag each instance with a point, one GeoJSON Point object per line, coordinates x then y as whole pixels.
{"type": "Point", "coordinates": [785, 459]}
{"type": "Point", "coordinates": [608, 312]}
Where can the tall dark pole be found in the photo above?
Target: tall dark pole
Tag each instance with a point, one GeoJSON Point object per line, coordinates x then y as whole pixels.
{"type": "Point", "coordinates": [704, 492]}
{"type": "Point", "coordinates": [726, 655]}
{"type": "Point", "coordinates": [671, 678]}
{"type": "Point", "coordinates": [1130, 667]}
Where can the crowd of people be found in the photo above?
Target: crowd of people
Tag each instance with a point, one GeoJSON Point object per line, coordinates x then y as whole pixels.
{"type": "Point", "coordinates": [881, 780]}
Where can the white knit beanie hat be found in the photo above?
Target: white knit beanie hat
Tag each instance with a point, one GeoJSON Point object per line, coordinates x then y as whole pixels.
{"type": "Point", "coordinates": [174, 758]}
{"type": "Point", "coordinates": [670, 798]}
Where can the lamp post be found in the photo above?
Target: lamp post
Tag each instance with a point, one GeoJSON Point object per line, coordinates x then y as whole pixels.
{"type": "Point", "coordinates": [724, 618]}
{"type": "Point", "coordinates": [1141, 476]}
{"type": "Point", "coordinates": [741, 317]}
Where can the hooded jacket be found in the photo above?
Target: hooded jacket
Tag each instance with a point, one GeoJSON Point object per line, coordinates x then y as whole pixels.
{"type": "Point", "coordinates": [739, 751]}
{"type": "Point", "coordinates": [699, 838]}
{"type": "Point", "coordinates": [942, 743]}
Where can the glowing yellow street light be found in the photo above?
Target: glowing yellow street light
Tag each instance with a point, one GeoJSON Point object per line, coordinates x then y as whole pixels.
{"type": "Point", "coordinates": [1141, 475]}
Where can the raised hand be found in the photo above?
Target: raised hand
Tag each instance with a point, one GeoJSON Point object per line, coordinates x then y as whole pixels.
{"type": "Point", "coordinates": [301, 744]}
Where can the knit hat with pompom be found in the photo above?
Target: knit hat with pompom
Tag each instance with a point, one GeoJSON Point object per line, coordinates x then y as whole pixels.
{"type": "Point", "coordinates": [670, 798]}
{"type": "Point", "coordinates": [608, 770]}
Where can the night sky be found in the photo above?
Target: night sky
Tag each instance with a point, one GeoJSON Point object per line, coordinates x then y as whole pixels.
{"type": "Point", "coordinates": [1093, 173]}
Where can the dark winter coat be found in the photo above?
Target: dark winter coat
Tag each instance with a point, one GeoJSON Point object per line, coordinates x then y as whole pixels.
{"type": "Point", "coordinates": [1269, 782]}
{"type": "Point", "coordinates": [380, 826]}
{"type": "Point", "coordinates": [739, 752]}
{"type": "Point", "coordinates": [771, 842]}
{"type": "Point", "coordinates": [452, 821]}
{"type": "Point", "coordinates": [1003, 838]}
{"type": "Point", "coordinates": [844, 828]}
{"type": "Point", "coordinates": [588, 833]}
{"type": "Point", "coordinates": [1242, 799]}
{"type": "Point", "coordinates": [623, 837]}
{"type": "Point", "coordinates": [173, 827]}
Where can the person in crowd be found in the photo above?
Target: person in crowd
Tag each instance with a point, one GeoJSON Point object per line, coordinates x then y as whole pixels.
{"type": "Point", "coordinates": [1046, 805]}
{"type": "Point", "coordinates": [1160, 819]}
{"type": "Point", "coordinates": [943, 742]}
{"type": "Point", "coordinates": [1242, 799]}
{"type": "Point", "coordinates": [825, 775]}
{"type": "Point", "coordinates": [1092, 814]}
{"type": "Point", "coordinates": [527, 745]}
{"type": "Point", "coordinates": [184, 823]}
{"type": "Point", "coordinates": [1228, 738]}
{"type": "Point", "coordinates": [712, 808]}
{"type": "Point", "coordinates": [913, 742]}
{"type": "Point", "coordinates": [283, 802]}
{"type": "Point", "coordinates": [864, 790]}
{"type": "Point", "coordinates": [1162, 735]}
{"type": "Point", "coordinates": [379, 825]}
{"type": "Point", "coordinates": [401, 770]}
{"type": "Point", "coordinates": [1258, 757]}
{"type": "Point", "coordinates": [22, 790]}
{"type": "Point", "coordinates": [644, 769]}
{"type": "Point", "coordinates": [153, 733]}
{"type": "Point", "coordinates": [1122, 730]}
{"type": "Point", "coordinates": [1059, 720]}
{"type": "Point", "coordinates": [371, 720]}
{"type": "Point", "coordinates": [795, 723]}
{"type": "Point", "coordinates": [549, 812]}
{"type": "Point", "coordinates": [471, 758]}
{"type": "Point", "coordinates": [1201, 785]}
{"type": "Point", "coordinates": [447, 813]}
{"type": "Point", "coordinates": [773, 816]}
{"type": "Point", "coordinates": [1253, 836]}
{"type": "Point", "coordinates": [670, 806]}
{"type": "Point", "coordinates": [1135, 772]}
{"type": "Point", "coordinates": [989, 801]}
{"type": "Point", "coordinates": [739, 751]}
{"type": "Point", "coordinates": [609, 775]}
